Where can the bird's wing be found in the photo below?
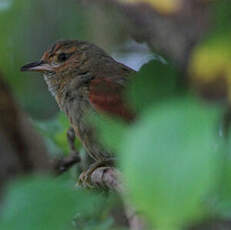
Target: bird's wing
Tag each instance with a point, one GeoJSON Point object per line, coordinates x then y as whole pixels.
{"type": "Point", "coordinates": [106, 96]}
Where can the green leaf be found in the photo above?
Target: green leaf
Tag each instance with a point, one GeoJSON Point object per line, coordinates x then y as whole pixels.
{"type": "Point", "coordinates": [110, 132]}
{"type": "Point", "coordinates": [155, 82]}
{"type": "Point", "coordinates": [37, 203]}
{"type": "Point", "coordinates": [170, 161]}
{"type": "Point", "coordinates": [222, 16]}
{"type": "Point", "coordinates": [222, 197]}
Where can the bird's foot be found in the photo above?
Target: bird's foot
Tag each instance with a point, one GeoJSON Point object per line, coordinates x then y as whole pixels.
{"type": "Point", "coordinates": [63, 164]}
{"type": "Point", "coordinates": [85, 176]}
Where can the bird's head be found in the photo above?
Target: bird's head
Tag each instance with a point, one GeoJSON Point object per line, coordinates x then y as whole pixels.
{"type": "Point", "coordinates": [66, 60]}
{"type": "Point", "coordinates": [64, 57]}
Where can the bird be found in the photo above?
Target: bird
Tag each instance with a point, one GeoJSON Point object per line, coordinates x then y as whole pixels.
{"type": "Point", "coordinates": [85, 80]}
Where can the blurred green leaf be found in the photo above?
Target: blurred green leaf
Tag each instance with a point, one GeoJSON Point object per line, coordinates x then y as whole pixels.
{"type": "Point", "coordinates": [40, 203]}
{"type": "Point", "coordinates": [110, 132]}
{"type": "Point", "coordinates": [37, 203]}
{"type": "Point", "coordinates": [155, 82]}
{"type": "Point", "coordinates": [170, 161]}
{"type": "Point", "coordinates": [222, 16]}
{"type": "Point", "coordinates": [222, 197]}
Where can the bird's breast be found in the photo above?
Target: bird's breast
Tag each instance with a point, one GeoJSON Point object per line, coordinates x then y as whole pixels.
{"type": "Point", "coordinates": [76, 106]}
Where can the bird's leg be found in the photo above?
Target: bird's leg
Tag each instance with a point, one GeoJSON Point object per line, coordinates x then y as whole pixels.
{"type": "Point", "coordinates": [71, 141]}
{"type": "Point", "coordinates": [85, 176]}
{"type": "Point", "coordinates": [73, 158]}
{"type": "Point", "coordinates": [74, 153]}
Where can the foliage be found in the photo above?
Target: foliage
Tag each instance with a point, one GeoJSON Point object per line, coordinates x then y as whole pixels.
{"type": "Point", "coordinates": [41, 202]}
{"type": "Point", "coordinates": [174, 156]}
{"type": "Point", "coordinates": [176, 165]}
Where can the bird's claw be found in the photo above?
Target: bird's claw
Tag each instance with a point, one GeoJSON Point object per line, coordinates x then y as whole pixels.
{"type": "Point", "coordinates": [85, 176]}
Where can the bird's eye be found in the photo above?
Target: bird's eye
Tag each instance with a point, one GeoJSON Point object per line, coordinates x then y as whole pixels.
{"type": "Point", "coordinates": [63, 57]}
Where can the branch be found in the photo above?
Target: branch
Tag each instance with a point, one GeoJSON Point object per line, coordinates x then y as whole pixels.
{"type": "Point", "coordinates": [111, 178]}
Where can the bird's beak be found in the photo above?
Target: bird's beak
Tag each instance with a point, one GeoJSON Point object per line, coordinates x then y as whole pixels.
{"type": "Point", "coordinates": [40, 66]}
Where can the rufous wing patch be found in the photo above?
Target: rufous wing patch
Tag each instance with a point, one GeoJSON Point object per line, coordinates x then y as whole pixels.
{"type": "Point", "coordinates": [106, 96]}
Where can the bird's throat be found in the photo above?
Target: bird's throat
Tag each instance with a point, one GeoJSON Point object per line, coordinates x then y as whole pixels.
{"type": "Point", "coordinates": [57, 85]}
{"type": "Point", "coordinates": [52, 83]}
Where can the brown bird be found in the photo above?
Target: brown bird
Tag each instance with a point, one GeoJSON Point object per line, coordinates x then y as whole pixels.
{"type": "Point", "coordinates": [84, 80]}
